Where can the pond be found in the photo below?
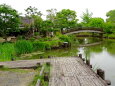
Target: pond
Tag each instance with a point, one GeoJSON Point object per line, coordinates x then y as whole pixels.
{"type": "Point", "coordinates": [100, 53]}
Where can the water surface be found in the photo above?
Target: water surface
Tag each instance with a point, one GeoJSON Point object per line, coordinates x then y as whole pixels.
{"type": "Point", "coordinates": [101, 55]}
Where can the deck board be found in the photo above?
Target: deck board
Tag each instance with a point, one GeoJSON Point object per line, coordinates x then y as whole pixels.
{"type": "Point", "coordinates": [73, 72]}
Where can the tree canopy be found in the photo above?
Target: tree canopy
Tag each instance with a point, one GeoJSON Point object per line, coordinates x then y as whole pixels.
{"type": "Point", "coordinates": [32, 11]}
{"type": "Point", "coordinates": [86, 17]}
{"type": "Point", "coordinates": [51, 14]}
{"type": "Point", "coordinates": [9, 20]}
{"type": "Point", "coordinates": [66, 18]}
{"type": "Point", "coordinates": [33, 14]}
{"type": "Point", "coordinates": [111, 16]}
{"type": "Point", "coordinates": [96, 22]}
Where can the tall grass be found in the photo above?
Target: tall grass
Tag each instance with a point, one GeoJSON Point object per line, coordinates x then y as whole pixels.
{"type": "Point", "coordinates": [23, 47]}
{"type": "Point", "coordinates": [45, 45]}
{"type": "Point", "coordinates": [39, 45]}
{"type": "Point", "coordinates": [7, 52]}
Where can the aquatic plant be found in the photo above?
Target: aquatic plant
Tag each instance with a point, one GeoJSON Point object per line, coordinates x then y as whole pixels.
{"type": "Point", "coordinates": [23, 46]}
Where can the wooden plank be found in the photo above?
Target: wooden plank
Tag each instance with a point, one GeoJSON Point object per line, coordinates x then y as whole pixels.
{"type": "Point", "coordinates": [73, 72]}
{"type": "Point", "coordinates": [41, 72]}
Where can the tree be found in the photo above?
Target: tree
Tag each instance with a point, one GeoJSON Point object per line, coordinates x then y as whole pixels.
{"type": "Point", "coordinates": [66, 18]}
{"type": "Point", "coordinates": [9, 20]}
{"type": "Point", "coordinates": [96, 22]}
{"type": "Point", "coordinates": [51, 14]}
{"type": "Point", "coordinates": [46, 27]}
{"type": "Point", "coordinates": [111, 16]}
{"type": "Point", "coordinates": [33, 14]}
{"type": "Point", "coordinates": [108, 27]}
{"type": "Point", "coordinates": [37, 22]}
{"type": "Point", "coordinates": [86, 17]}
{"type": "Point", "coordinates": [32, 11]}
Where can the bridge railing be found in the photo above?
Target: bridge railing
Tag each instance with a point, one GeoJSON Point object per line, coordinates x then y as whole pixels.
{"type": "Point", "coordinates": [83, 28]}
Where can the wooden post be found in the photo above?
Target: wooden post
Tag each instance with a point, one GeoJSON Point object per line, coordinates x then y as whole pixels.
{"type": "Point", "coordinates": [108, 82]}
{"type": "Point", "coordinates": [41, 57]}
{"type": "Point", "coordinates": [12, 59]}
{"type": "Point", "coordinates": [38, 64]}
{"type": "Point", "coordinates": [90, 66]}
{"type": "Point", "coordinates": [1, 66]}
{"type": "Point", "coordinates": [88, 62]}
{"type": "Point", "coordinates": [49, 56]}
{"type": "Point", "coordinates": [80, 55]}
{"type": "Point", "coordinates": [46, 78]}
{"type": "Point", "coordinates": [48, 63]}
{"type": "Point", "coordinates": [65, 44]}
{"type": "Point", "coordinates": [83, 59]}
{"type": "Point", "coordinates": [101, 73]}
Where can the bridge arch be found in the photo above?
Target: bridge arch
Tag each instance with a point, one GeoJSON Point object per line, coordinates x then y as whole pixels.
{"type": "Point", "coordinates": [86, 29]}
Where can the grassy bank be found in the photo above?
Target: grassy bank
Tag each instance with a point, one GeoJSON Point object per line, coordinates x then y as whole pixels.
{"type": "Point", "coordinates": [43, 81]}
{"type": "Point", "coordinates": [11, 51]}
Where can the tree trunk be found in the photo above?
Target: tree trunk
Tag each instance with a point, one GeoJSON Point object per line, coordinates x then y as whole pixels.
{"type": "Point", "coordinates": [33, 31]}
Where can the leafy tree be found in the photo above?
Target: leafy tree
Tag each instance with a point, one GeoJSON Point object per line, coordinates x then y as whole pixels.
{"type": "Point", "coordinates": [108, 27]}
{"type": "Point", "coordinates": [86, 17]}
{"type": "Point", "coordinates": [37, 22]}
{"type": "Point", "coordinates": [32, 11]}
{"type": "Point", "coordinates": [33, 14]}
{"type": "Point", "coordinates": [96, 22]}
{"type": "Point", "coordinates": [111, 16]}
{"type": "Point", "coordinates": [51, 14]}
{"type": "Point", "coordinates": [66, 18]}
{"type": "Point", "coordinates": [46, 27]}
{"type": "Point", "coordinates": [9, 20]}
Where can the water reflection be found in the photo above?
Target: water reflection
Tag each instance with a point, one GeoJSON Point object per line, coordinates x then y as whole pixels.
{"type": "Point", "coordinates": [102, 56]}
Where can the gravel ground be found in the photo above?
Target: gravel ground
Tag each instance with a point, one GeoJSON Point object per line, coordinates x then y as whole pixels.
{"type": "Point", "coordinates": [13, 78]}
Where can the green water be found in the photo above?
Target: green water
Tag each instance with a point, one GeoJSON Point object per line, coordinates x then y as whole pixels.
{"type": "Point", "coordinates": [101, 55]}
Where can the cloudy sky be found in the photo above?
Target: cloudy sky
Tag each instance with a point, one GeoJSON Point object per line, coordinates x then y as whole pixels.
{"type": "Point", "coordinates": [98, 7]}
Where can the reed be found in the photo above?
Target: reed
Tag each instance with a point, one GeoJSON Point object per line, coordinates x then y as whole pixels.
{"type": "Point", "coordinates": [23, 47]}
{"type": "Point", "coordinates": [7, 51]}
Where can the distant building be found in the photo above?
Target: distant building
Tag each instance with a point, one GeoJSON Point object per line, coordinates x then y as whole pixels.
{"type": "Point", "coordinates": [26, 21]}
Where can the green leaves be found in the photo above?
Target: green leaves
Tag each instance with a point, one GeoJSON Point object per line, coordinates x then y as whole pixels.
{"type": "Point", "coordinates": [9, 20]}
{"type": "Point", "coordinates": [96, 22]}
{"type": "Point", "coordinates": [32, 11]}
{"type": "Point", "coordinates": [66, 18]}
{"type": "Point", "coordinates": [111, 16]}
{"type": "Point", "coordinates": [86, 17]}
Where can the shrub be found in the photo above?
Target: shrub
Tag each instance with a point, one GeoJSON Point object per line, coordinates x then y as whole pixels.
{"type": "Point", "coordinates": [36, 33]}
{"type": "Point", "coordinates": [23, 46]}
{"type": "Point", "coordinates": [111, 35]}
{"type": "Point", "coordinates": [20, 37]}
{"type": "Point", "coordinates": [65, 38]}
{"type": "Point", "coordinates": [32, 39]}
{"type": "Point", "coordinates": [43, 45]}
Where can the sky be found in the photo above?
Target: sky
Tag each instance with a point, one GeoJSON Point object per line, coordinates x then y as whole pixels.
{"type": "Point", "coordinates": [99, 8]}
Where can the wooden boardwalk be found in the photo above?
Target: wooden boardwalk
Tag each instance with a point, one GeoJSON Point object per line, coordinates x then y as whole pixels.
{"type": "Point", "coordinates": [73, 72]}
{"type": "Point", "coordinates": [65, 71]}
{"type": "Point", "coordinates": [23, 63]}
